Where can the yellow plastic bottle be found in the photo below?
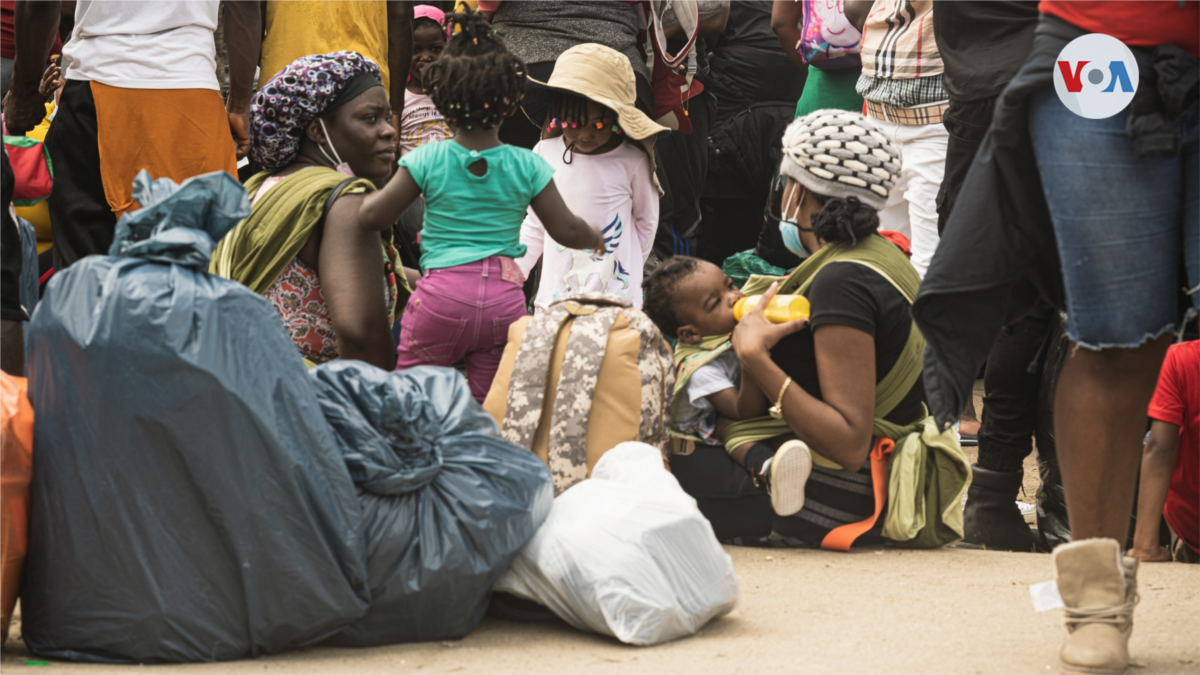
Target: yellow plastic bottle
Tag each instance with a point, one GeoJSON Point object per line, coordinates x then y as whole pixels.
{"type": "Point", "coordinates": [783, 308]}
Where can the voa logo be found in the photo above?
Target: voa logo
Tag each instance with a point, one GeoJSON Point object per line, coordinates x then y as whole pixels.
{"type": "Point", "coordinates": [1095, 76]}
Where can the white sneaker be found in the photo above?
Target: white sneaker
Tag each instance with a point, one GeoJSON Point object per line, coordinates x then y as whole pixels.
{"type": "Point", "coordinates": [786, 475]}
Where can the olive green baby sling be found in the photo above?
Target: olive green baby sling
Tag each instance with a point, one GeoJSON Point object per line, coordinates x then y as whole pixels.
{"type": "Point", "coordinates": [926, 473]}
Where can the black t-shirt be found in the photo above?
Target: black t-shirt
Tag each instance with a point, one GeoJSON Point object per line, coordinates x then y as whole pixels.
{"type": "Point", "coordinates": [849, 294]}
{"type": "Point", "coordinates": [983, 45]}
{"type": "Point", "coordinates": [10, 251]}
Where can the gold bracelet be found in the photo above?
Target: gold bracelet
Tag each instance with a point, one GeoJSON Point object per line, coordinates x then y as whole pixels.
{"type": "Point", "coordinates": [776, 410]}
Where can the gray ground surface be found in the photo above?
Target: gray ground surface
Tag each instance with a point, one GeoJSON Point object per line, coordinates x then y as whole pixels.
{"type": "Point", "coordinates": [957, 612]}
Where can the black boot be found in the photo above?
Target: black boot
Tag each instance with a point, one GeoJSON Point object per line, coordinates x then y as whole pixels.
{"type": "Point", "coordinates": [991, 517]}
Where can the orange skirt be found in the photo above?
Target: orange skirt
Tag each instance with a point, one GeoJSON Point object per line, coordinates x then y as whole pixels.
{"type": "Point", "coordinates": [171, 133]}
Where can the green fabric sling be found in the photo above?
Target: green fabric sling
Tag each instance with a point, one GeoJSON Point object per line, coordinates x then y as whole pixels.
{"type": "Point", "coordinates": [927, 471]}
{"type": "Point", "coordinates": [256, 251]}
{"type": "Point", "coordinates": [688, 359]}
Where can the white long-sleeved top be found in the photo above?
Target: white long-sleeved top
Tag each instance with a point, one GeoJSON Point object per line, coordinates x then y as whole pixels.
{"type": "Point", "coordinates": [612, 191]}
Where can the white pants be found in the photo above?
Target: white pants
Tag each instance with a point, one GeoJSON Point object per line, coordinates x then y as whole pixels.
{"type": "Point", "coordinates": [912, 204]}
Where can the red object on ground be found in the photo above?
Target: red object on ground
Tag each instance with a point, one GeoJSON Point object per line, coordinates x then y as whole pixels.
{"type": "Point", "coordinates": [1177, 401]}
{"type": "Point", "coordinates": [16, 470]}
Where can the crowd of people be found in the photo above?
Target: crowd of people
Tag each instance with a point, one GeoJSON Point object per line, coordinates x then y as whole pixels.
{"type": "Point", "coordinates": [423, 176]}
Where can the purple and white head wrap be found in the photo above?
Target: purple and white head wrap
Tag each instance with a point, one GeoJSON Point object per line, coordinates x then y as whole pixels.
{"type": "Point", "coordinates": [284, 107]}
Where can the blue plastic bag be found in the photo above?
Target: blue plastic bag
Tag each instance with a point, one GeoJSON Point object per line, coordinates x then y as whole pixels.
{"type": "Point", "coordinates": [29, 265]}
{"type": "Point", "coordinates": [189, 502]}
{"type": "Point", "coordinates": [447, 503]}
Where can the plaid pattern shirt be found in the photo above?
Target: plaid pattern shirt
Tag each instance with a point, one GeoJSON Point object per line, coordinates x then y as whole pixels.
{"type": "Point", "coordinates": [898, 43]}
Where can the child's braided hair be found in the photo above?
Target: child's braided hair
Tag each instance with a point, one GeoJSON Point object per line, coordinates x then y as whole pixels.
{"type": "Point", "coordinates": [477, 82]}
{"type": "Point", "coordinates": [659, 301]}
{"type": "Point", "coordinates": [567, 107]}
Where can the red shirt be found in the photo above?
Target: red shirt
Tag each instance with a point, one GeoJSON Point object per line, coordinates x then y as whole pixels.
{"type": "Point", "coordinates": [1177, 401]}
{"type": "Point", "coordinates": [1137, 24]}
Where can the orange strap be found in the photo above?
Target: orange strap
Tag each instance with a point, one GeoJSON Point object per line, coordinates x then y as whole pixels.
{"type": "Point", "coordinates": [840, 538]}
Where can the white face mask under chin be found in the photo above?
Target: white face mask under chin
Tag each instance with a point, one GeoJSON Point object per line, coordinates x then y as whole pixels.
{"type": "Point", "coordinates": [789, 229]}
{"type": "Point", "coordinates": [341, 167]}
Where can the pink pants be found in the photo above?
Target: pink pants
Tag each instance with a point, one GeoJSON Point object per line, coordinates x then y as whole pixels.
{"type": "Point", "coordinates": [458, 312]}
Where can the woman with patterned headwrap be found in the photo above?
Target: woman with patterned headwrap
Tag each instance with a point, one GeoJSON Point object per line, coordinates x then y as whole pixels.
{"type": "Point", "coordinates": [321, 124]}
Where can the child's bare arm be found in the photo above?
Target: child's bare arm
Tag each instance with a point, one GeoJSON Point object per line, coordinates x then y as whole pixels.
{"type": "Point", "coordinates": [726, 403]}
{"type": "Point", "coordinates": [561, 224]}
{"type": "Point", "coordinates": [751, 401]}
{"type": "Point", "coordinates": [380, 210]}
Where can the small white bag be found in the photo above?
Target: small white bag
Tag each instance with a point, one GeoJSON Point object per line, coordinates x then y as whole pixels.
{"type": "Point", "coordinates": [627, 554]}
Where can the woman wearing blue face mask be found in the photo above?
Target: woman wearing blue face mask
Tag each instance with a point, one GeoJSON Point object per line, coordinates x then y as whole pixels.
{"type": "Point", "coordinates": [850, 375]}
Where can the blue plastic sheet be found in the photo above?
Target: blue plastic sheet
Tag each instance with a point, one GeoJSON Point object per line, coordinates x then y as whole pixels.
{"type": "Point", "coordinates": [446, 502]}
{"type": "Point", "coordinates": [189, 502]}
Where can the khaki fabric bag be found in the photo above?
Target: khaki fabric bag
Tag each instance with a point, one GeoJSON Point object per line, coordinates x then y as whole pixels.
{"type": "Point", "coordinates": [574, 382]}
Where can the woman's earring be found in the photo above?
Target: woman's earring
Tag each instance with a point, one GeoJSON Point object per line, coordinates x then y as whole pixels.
{"type": "Point", "coordinates": [616, 129]}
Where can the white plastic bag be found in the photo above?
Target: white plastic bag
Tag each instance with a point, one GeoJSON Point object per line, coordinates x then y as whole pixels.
{"type": "Point", "coordinates": [627, 554]}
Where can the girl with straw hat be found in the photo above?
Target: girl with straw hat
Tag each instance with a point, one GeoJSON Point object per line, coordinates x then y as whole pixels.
{"type": "Point", "coordinates": [587, 113]}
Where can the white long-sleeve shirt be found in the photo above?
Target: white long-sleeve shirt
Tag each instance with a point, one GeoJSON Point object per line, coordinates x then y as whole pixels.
{"type": "Point", "coordinates": [612, 191]}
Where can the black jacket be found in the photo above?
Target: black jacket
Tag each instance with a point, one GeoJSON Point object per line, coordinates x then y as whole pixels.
{"type": "Point", "coordinates": [998, 251]}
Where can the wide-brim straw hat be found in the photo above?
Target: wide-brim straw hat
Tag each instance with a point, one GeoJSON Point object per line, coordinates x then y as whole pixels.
{"type": "Point", "coordinates": [600, 74]}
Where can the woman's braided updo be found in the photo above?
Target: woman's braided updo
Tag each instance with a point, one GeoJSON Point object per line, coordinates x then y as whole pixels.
{"type": "Point", "coordinates": [477, 82]}
{"type": "Point", "coordinates": [843, 220]}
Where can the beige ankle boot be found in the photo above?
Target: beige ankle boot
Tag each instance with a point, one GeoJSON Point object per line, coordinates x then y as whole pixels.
{"type": "Point", "coordinates": [1099, 592]}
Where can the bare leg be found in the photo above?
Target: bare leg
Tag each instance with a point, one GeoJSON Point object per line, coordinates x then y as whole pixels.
{"type": "Point", "coordinates": [1099, 422]}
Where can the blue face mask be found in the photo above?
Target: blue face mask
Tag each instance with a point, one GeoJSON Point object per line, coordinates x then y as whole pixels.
{"type": "Point", "coordinates": [791, 238]}
{"type": "Point", "coordinates": [790, 231]}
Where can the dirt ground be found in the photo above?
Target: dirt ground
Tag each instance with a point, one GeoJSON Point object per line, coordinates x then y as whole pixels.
{"type": "Point", "coordinates": [957, 612]}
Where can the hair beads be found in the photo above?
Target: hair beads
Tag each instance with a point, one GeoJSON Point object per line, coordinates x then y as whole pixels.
{"type": "Point", "coordinates": [477, 82]}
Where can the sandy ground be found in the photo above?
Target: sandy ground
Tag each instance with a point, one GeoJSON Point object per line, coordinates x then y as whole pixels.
{"type": "Point", "coordinates": [958, 612]}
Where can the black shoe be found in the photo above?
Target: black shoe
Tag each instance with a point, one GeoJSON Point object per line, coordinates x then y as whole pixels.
{"type": "Point", "coordinates": [991, 517]}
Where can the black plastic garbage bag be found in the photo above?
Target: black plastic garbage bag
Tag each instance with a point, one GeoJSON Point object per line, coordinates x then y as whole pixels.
{"type": "Point", "coordinates": [189, 502]}
{"type": "Point", "coordinates": [447, 503]}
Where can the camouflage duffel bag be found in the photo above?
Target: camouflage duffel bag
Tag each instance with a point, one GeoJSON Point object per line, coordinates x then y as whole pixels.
{"type": "Point", "coordinates": [590, 373]}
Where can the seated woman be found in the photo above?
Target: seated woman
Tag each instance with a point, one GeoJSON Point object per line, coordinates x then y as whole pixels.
{"type": "Point", "coordinates": [323, 120]}
{"type": "Point", "coordinates": [844, 375]}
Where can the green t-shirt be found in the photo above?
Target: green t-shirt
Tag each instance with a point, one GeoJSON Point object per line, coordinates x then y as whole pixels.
{"type": "Point", "coordinates": [469, 217]}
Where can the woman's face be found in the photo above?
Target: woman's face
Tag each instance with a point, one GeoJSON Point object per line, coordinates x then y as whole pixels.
{"type": "Point", "coordinates": [798, 205]}
{"type": "Point", "coordinates": [428, 43]}
{"type": "Point", "coordinates": [594, 134]}
{"type": "Point", "coordinates": [362, 134]}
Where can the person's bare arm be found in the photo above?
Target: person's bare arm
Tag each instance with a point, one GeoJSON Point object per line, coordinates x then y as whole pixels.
{"type": "Point", "coordinates": [857, 12]}
{"type": "Point", "coordinates": [1158, 460]}
{"type": "Point", "coordinates": [352, 273]}
{"type": "Point", "coordinates": [243, 41]}
{"type": "Point", "coordinates": [785, 21]}
{"type": "Point", "coordinates": [838, 427]}
{"type": "Point", "coordinates": [752, 401]}
{"type": "Point", "coordinates": [35, 25]}
{"type": "Point", "coordinates": [726, 403]}
{"type": "Point", "coordinates": [400, 51]}
{"type": "Point", "coordinates": [378, 211]}
{"type": "Point", "coordinates": [561, 224]}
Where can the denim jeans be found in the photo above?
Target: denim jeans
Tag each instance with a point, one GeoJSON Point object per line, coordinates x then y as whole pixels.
{"type": "Point", "coordinates": [461, 312]}
{"type": "Point", "coordinates": [1123, 223]}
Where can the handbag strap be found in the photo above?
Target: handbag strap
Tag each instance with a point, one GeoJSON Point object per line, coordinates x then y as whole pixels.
{"type": "Point", "coordinates": [319, 228]}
